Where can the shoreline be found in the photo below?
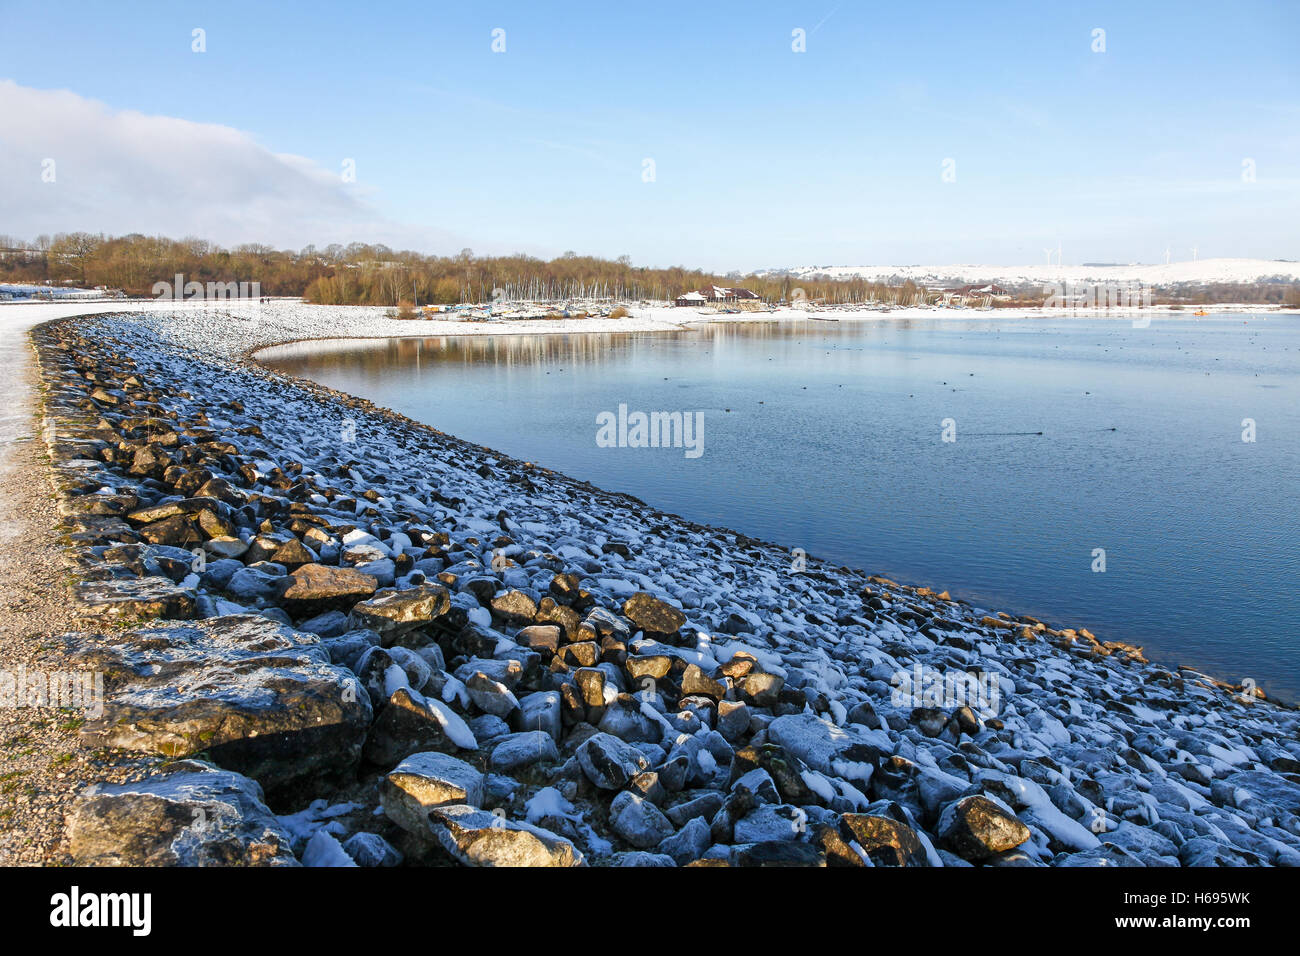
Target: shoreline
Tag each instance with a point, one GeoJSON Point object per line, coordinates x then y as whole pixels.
{"type": "Point", "coordinates": [824, 699]}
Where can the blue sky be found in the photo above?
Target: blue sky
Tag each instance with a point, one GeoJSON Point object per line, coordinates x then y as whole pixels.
{"type": "Point", "coordinates": [762, 156]}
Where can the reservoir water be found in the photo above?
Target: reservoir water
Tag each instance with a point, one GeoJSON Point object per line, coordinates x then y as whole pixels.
{"type": "Point", "coordinates": [1067, 438]}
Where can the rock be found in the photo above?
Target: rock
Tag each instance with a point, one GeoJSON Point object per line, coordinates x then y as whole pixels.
{"type": "Point", "coordinates": [488, 728]}
{"type": "Point", "coordinates": [703, 807]}
{"type": "Point", "coordinates": [638, 821]}
{"type": "Point", "coordinates": [507, 672]}
{"type": "Point", "coordinates": [540, 711]}
{"type": "Point", "coordinates": [259, 698]}
{"type": "Point", "coordinates": [608, 762]}
{"type": "Point", "coordinates": [491, 696]}
{"type": "Point", "coordinates": [581, 653]}
{"type": "Point", "coordinates": [929, 720]}
{"type": "Point", "coordinates": [328, 625]}
{"type": "Point", "coordinates": [976, 828]}
{"type": "Point", "coordinates": [410, 723]}
{"type": "Point", "coordinates": [837, 851]}
{"type": "Point", "coordinates": [396, 612]}
{"type": "Point", "coordinates": [514, 607]}
{"type": "Point", "coordinates": [771, 822]}
{"type": "Point", "coordinates": [761, 690]}
{"type": "Point", "coordinates": [294, 555]}
{"type": "Point", "coordinates": [188, 814]}
{"type": "Point", "coordinates": [642, 858]}
{"type": "Point", "coordinates": [786, 771]}
{"type": "Point", "coordinates": [653, 616]}
{"type": "Point", "coordinates": [733, 720]}
{"type": "Point", "coordinates": [315, 588]}
{"type": "Point", "coordinates": [478, 838]}
{"type": "Point", "coordinates": [780, 853]}
{"type": "Point", "coordinates": [652, 666]}
{"type": "Point", "coordinates": [540, 637]}
{"type": "Point", "coordinates": [516, 751]}
{"type": "Point", "coordinates": [226, 546]}
{"type": "Point", "coordinates": [134, 599]}
{"type": "Point", "coordinates": [828, 748]}
{"type": "Point", "coordinates": [179, 532]}
{"type": "Point", "coordinates": [1206, 851]}
{"type": "Point", "coordinates": [591, 685]}
{"type": "Point", "coordinates": [688, 843]}
{"type": "Point", "coordinates": [426, 780]}
{"type": "Point", "coordinates": [371, 850]}
{"type": "Point", "coordinates": [1271, 790]}
{"type": "Point", "coordinates": [695, 681]}
{"type": "Point", "coordinates": [624, 719]}
{"type": "Point", "coordinates": [886, 842]}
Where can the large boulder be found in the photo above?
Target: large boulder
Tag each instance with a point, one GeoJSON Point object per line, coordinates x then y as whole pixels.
{"type": "Point", "coordinates": [190, 814]}
{"type": "Point", "coordinates": [257, 697]}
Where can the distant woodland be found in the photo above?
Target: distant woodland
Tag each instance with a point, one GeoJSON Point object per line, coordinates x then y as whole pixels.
{"type": "Point", "coordinates": [365, 274]}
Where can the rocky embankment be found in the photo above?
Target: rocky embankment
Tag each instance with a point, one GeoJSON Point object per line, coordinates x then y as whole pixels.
{"type": "Point", "coordinates": [357, 641]}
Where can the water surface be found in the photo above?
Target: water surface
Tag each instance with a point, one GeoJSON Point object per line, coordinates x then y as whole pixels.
{"type": "Point", "coordinates": [828, 437]}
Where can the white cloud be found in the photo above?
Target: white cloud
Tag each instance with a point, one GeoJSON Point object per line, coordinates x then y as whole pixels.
{"type": "Point", "coordinates": [121, 171]}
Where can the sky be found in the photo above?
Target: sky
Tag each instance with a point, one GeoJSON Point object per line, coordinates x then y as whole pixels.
{"type": "Point", "coordinates": [688, 134]}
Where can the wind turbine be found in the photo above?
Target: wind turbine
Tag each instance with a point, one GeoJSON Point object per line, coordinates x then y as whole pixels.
{"type": "Point", "coordinates": [1049, 255]}
{"type": "Point", "coordinates": [1166, 255]}
{"type": "Point", "coordinates": [1194, 249]}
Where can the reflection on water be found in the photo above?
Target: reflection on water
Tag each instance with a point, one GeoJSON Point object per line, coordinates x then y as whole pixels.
{"type": "Point", "coordinates": [1071, 436]}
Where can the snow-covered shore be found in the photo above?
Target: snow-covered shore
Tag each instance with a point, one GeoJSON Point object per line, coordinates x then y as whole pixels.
{"type": "Point", "coordinates": [509, 666]}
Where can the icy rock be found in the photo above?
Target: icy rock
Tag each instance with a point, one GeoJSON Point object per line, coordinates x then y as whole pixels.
{"type": "Point", "coordinates": [541, 711]}
{"type": "Point", "coordinates": [516, 751]}
{"type": "Point", "coordinates": [478, 838]}
{"type": "Point", "coordinates": [371, 850]}
{"type": "Point", "coordinates": [190, 814]}
{"type": "Point", "coordinates": [688, 843]}
{"type": "Point", "coordinates": [426, 780]}
{"type": "Point", "coordinates": [823, 746]}
{"type": "Point", "coordinates": [771, 822]}
{"type": "Point", "coordinates": [608, 762]}
{"type": "Point", "coordinates": [638, 821]}
{"type": "Point", "coordinates": [260, 698]}
{"type": "Point", "coordinates": [642, 858]}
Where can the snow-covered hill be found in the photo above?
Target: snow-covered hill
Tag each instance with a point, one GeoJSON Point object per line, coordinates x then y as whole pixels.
{"type": "Point", "coordinates": [1196, 272]}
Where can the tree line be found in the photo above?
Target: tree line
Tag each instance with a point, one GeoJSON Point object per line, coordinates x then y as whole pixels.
{"type": "Point", "coordinates": [374, 274]}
